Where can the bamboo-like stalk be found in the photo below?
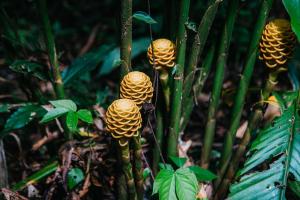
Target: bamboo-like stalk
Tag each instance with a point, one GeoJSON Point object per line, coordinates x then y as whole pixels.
{"type": "Point", "coordinates": [126, 36]}
{"type": "Point", "coordinates": [254, 121]}
{"type": "Point", "coordinates": [244, 82]}
{"type": "Point", "coordinates": [127, 170]}
{"type": "Point", "coordinates": [138, 166]}
{"type": "Point", "coordinates": [121, 180]}
{"type": "Point", "coordinates": [197, 88]}
{"type": "Point", "coordinates": [58, 83]}
{"type": "Point", "coordinates": [159, 133]}
{"type": "Point", "coordinates": [218, 82]}
{"type": "Point", "coordinates": [178, 79]}
{"type": "Point", "coordinates": [198, 45]}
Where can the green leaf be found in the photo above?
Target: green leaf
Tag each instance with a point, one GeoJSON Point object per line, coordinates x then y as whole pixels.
{"type": "Point", "coordinates": [164, 185]}
{"type": "Point", "coordinates": [146, 173]}
{"type": "Point", "coordinates": [186, 184]}
{"type": "Point", "coordinates": [85, 115]}
{"type": "Point", "coordinates": [144, 17]}
{"type": "Point", "coordinates": [22, 117]}
{"type": "Point", "coordinates": [84, 64]}
{"type": "Point", "coordinates": [112, 59]}
{"type": "Point", "coordinates": [165, 166]}
{"type": "Point", "coordinates": [53, 114]}
{"type": "Point", "coordinates": [293, 8]}
{"type": "Point", "coordinates": [65, 103]}
{"type": "Point", "coordinates": [178, 161]}
{"type": "Point", "coordinates": [30, 68]}
{"type": "Point", "coordinates": [72, 121]}
{"type": "Point", "coordinates": [278, 145]}
{"type": "Point", "coordinates": [202, 174]}
{"type": "Point", "coordinates": [75, 176]}
{"type": "Point", "coordinates": [295, 187]}
{"type": "Point", "coordinates": [36, 177]}
{"type": "Point", "coordinates": [4, 108]}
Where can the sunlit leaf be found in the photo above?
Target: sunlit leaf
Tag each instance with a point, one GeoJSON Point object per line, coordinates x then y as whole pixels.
{"type": "Point", "coordinates": [53, 114]}
{"type": "Point", "coordinates": [75, 176]}
{"type": "Point", "coordinates": [72, 121]}
{"type": "Point", "coordinates": [144, 17]}
{"type": "Point", "coordinates": [85, 115]}
{"type": "Point", "coordinates": [64, 103]}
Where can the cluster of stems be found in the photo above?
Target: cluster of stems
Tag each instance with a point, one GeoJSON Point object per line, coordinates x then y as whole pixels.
{"type": "Point", "coordinates": [228, 166]}
{"type": "Point", "coordinates": [218, 82]}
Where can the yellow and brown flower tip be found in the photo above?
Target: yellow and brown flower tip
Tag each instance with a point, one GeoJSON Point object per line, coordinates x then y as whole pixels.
{"type": "Point", "coordinates": [163, 54]}
{"type": "Point", "coordinates": [277, 43]}
{"type": "Point", "coordinates": [123, 120]}
{"type": "Point", "coordinates": [136, 86]}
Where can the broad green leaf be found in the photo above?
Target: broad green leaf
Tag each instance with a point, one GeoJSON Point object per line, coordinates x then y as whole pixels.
{"type": "Point", "coordinates": [53, 114]}
{"type": "Point", "coordinates": [84, 64]}
{"type": "Point", "coordinates": [279, 146]}
{"type": "Point", "coordinates": [30, 68]}
{"type": "Point", "coordinates": [178, 161]}
{"type": "Point", "coordinates": [64, 103]}
{"type": "Point", "coordinates": [144, 17]}
{"type": "Point", "coordinates": [163, 175]}
{"type": "Point", "coordinates": [295, 187]}
{"type": "Point", "coordinates": [72, 121]}
{"type": "Point", "coordinates": [22, 117]}
{"type": "Point", "coordinates": [186, 184]}
{"type": "Point", "coordinates": [85, 115]}
{"type": "Point", "coordinates": [164, 184]}
{"type": "Point", "coordinates": [37, 176]}
{"type": "Point", "coordinates": [75, 176]}
{"type": "Point", "coordinates": [202, 174]}
{"type": "Point", "coordinates": [112, 59]}
{"type": "Point", "coordinates": [293, 8]}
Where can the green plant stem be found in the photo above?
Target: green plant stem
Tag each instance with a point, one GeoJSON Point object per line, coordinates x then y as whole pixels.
{"type": "Point", "coordinates": [218, 82]}
{"type": "Point", "coordinates": [178, 79]}
{"type": "Point", "coordinates": [3, 167]}
{"type": "Point", "coordinates": [127, 170]}
{"type": "Point", "coordinates": [244, 82]}
{"type": "Point", "coordinates": [197, 88]}
{"type": "Point", "coordinates": [198, 45]}
{"type": "Point", "coordinates": [254, 121]}
{"type": "Point", "coordinates": [164, 80]}
{"type": "Point", "coordinates": [138, 166]}
{"type": "Point", "coordinates": [121, 180]}
{"type": "Point", "coordinates": [126, 36]}
{"type": "Point", "coordinates": [58, 83]}
{"type": "Point", "coordinates": [159, 133]}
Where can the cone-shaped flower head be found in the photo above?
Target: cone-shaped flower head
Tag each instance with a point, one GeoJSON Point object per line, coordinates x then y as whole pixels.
{"type": "Point", "coordinates": [163, 54]}
{"type": "Point", "coordinates": [123, 120]}
{"type": "Point", "coordinates": [277, 43]}
{"type": "Point", "coordinates": [137, 87]}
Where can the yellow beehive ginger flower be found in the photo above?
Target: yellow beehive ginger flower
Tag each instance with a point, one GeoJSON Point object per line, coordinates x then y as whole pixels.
{"type": "Point", "coordinates": [136, 86]}
{"type": "Point", "coordinates": [277, 43]}
{"type": "Point", "coordinates": [123, 120]}
{"type": "Point", "coordinates": [163, 54]}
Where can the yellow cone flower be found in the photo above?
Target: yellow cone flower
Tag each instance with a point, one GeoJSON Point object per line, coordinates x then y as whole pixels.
{"type": "Point", "coordinates": [277, 43]}
{"type": "Point", "coordinates": [137, 87]}
{"type": "Point", "coordinates": [163, 54]}
{"type": "Point", "coordinates": [123, 120]}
